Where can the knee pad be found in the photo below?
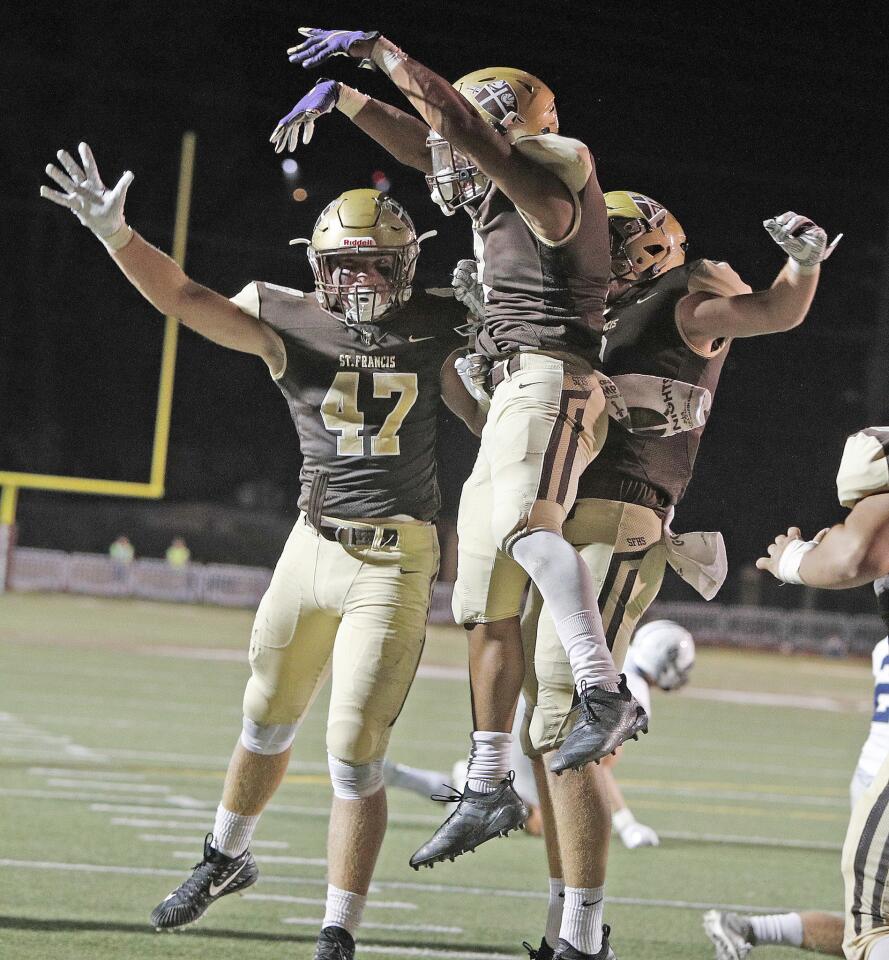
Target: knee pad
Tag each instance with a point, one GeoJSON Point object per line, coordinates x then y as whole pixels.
{"type": "Point", "coordinates": [355, 783]}
{"type": "Point", "coordinates": [542, 515]}
{"type": "Point", "coordinates": [267, 740]}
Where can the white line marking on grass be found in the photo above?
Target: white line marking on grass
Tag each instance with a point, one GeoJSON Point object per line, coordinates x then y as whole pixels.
{"type": "Point", "coordinates": [751, 841]}
{"type": "Point", "coordinates": [135, 808]}
{"type": "Point", "coordinates": [425, 952]}
{"type": "Point", "coordinates": [164, 824]}
{"type": "Point", "coordinates": [762, 699]}
{"type": "Point", "coordinates": [107, 785]}
{"type": "Point", "coordinates": [63, 795]}
{"type": "Point", "coordinates": [432, 672]}
{"type": "Point", "coordinates": [173, 838]}
{"type": "Point", "coordinates": [320, 901]}
{"type": "Point", "coordinates": [63, 772]}
{"type": "Point", "coordinates": [290, 861]}
{"type": "Point", "coordinates": [665, 790]}
{"type": "Point", "coordinates": [396, 885]}
{"type": "Point", "coordinates": [370, 925]}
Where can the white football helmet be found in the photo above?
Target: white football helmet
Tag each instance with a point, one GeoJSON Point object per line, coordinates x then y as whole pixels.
{"type": "Point", "coordinates": [664, 652]}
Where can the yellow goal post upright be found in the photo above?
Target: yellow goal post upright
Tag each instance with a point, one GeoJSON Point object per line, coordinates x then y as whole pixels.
{"type": "Point", "coordinates": [11, 482]}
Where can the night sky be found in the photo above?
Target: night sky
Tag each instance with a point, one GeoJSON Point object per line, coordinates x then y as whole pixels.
{"type": "Point", "coordinates": [725, 117]}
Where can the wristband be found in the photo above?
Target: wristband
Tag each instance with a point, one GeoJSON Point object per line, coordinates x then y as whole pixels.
{"type": "Point", "coordinates": [803, 269]}
{"type": "Point", "coordinates": [623, 819]}
{"type": "Point", "coordinates": [119, 239]}
{"type": "Point", "coordinates": [791, 558]}
{"type": "Point", "coordinates": [350, 101]}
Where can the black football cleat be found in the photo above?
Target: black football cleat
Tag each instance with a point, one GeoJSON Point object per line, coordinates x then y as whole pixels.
{"type": "Point", "coordinates": [543, 952]}
{"type": "Point", "coordinates": [334, 943]}
{"type": "Point", "coordinates": [479, 817]}
{"type": "Point", "coordinates": [605, 720]}
{"type": "Point", "coordinates": [564, 951]}
{"type": "Point", "coordinates": [215, 876]}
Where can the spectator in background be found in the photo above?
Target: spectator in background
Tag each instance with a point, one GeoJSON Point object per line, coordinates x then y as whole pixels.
{"type": "Point", "coordinates": [121, 551]}
{"type": "Point", "coordinates": [178, 554]}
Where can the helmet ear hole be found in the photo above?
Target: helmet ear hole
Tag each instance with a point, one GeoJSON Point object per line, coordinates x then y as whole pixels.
{"type": "Point", "coordinates": [654, 249]}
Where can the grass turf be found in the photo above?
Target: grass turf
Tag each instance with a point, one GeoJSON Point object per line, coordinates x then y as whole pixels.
{"type": "Point", "coordinates": [118, 718]}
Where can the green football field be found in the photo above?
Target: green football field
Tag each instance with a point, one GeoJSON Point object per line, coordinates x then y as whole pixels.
{"type": "Point", "coordinates": [117, 719]}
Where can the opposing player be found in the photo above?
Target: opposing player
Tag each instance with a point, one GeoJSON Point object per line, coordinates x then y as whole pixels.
{"type": "Point", "coordinates": [665, 318]}
{"type": "Point", "coordinates": [361, 364]}
{"type": "Point", "coordinates": [846, 555]}
{"type": "Point", "coordinates": [490, 145]}
{"type": "Point", "coordinates": [733, 934]}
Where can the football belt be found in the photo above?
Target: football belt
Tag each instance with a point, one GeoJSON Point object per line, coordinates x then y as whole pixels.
{"type": "Point", "coordinates": [359, 536]}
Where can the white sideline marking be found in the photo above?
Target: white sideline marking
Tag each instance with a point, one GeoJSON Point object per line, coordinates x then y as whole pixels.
{"type": "Point", "coordinates": [63, 772]}
{"type": "Point", "coordinates": [165, 824]}
{"type": "Point", "coordinates": [171, 838]}
{"type": "Point", "coordinates": [290, 861]}
{"type": "Point", "coordinates": [751, 841]}
{"type": "Point", "coordinates": [365, 925]}
{"type": "Point", "coordinates": [320, 901]}
{"type": "Point", "coordinates": [762, 699]}
{"type": "Point", "coordinates": [107, 785]}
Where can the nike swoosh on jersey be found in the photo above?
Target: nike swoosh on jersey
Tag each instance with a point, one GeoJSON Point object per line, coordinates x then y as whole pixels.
{"type": "Point", "coordinates": [413, 339]}
{"type": "Point", "coordinates": [215, 891]}
{"type": "Point", "coordinates": [643, 299]}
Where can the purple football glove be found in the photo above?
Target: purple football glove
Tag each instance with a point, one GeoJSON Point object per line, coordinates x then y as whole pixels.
{"type": "Point", "coordinates": [319, 100]}
{"type": "Point", "coordinates": [321, 45]}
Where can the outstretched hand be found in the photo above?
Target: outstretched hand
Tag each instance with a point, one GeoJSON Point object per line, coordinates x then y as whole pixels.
{"type": "Point", "coordinates": [800, 238]}
{"type": "Point", "coordinates": [85, 195]}
{"type": "Point", "coordinates": [321, 99]}
{"type": "Point", "coordinates": [321, 45]}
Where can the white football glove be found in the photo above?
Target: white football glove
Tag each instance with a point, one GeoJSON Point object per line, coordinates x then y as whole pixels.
{"type": "Point", "coordinates": [801, 239]}
{"type": "Point", "coordinates": [94, 205]}
{"type": "Point", "coordinates": [467, 288]}
{"type": "Point", "coordinates": [639, 835]}
{"type": "Point", "coordinates": [463, 366]}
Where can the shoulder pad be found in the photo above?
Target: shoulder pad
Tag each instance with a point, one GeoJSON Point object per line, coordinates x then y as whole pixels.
{"type": "Point", "coordinates": [288, 290]}
{"type": "Point", "coordinates": [248, 300]}
{"type": "Point", "coordinates": [864, 469]}
{"type": "Point", "coordinates": [568, 159]}
{"type": "Point", "coordinates": [716, 277]}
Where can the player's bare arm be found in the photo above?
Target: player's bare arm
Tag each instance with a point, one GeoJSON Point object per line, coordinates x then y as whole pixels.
{"type": "Point", "coordinates": [541, 196]}
{"type": "Point", "coordinates": [402, 134]}
{"type": "Point", "coordinates": [849, 554]}
{"type": "Point", "coordinates": [157, 277]}
{"type": "Point", "coordinates": [704, 317]}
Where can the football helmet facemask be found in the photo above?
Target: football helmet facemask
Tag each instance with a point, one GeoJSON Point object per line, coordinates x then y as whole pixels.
{"type": "Point", "coordinates": [664, 652]}
{"type": "Point", "coordinates": [646, 239]}
{"type": "Point", "coordinates": [515, 103]}
{"type": "Point", "coordinates": [363, 232]}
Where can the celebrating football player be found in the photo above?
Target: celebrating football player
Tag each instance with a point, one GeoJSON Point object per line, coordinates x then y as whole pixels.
{"type": "Point", "coordinates": [846, 555]}
{"type": "Point", "coordinates": [361, 363]}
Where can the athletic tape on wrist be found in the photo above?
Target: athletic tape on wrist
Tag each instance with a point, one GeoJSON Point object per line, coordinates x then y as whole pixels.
{"type": "Point", "coordinates": [119, 239]}
{"type": "Point", "coordinates": [803, 269]}
{"type": "Point", "coordinates": [387, 56]}
{"type": "Point", "coordinates": [350, 100]}
{"type": "Point", "coordinates": [791, 558]}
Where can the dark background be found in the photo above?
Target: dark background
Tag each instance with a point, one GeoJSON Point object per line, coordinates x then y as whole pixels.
{"type": "Point", "coordinates": [725, 116]}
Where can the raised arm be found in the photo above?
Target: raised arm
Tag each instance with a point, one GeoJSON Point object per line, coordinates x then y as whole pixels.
{"type": "Point", "coordinates": [403, 135]}
{"type": "Point", "coordinates": [158, 278]}
{"type": "Point", "coordinates": [705, 318]}
{"type": "Point", "coordinates": [540, 194]}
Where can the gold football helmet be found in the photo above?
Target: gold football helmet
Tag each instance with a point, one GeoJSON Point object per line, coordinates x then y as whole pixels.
{"type": "Point", "coordinates": [646, 239]}
{"type": "Point", "coordinates": [363, 232]}
{"type": "Point", "coordinates": [515, 103]}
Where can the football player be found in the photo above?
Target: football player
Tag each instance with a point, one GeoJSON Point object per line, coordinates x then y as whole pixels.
{"type": "Point", "coordinates": [666, 318]}
{"type": "Point", "coordinates": [490, 145]}
{"type": "Point", "coordinates": [362, 363]}
{"type": "Point", "coordinates": [846, 555]}
{"type": "Point", "coordinates": [735, 934]}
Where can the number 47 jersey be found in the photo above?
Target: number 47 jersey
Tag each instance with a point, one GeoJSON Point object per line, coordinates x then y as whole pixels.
{"type": "Point", "coordinates": [365, 400]}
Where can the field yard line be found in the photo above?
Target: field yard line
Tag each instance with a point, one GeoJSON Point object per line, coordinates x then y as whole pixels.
{"type": "Point", "coordinates": [763, 699]}
{"type": "Point", "coordinates": [62, 772]}
{"type": "Point", "coordinates": [108, 785]}
{"type": "Point", "coordinates": [365, 925]}
{"type": "Point", "coordinates": [398, 885]}
{"type": "Point", "coordinates": [290, 861]}
{"type": "Point", "coordinates": [446, 954]}
{"type": "Point", "coordinates": [35, 794]}
{"type": "Point", "coordinates": [143, 824]}
{"type": "Point", "coordinates": [173, 838]}
{"type": "Point", "coordinates": [627, 786]}
{"type": "Point", "coordinates": [320, 901]}
{"type": "Point", "coordinates": [751, 841]}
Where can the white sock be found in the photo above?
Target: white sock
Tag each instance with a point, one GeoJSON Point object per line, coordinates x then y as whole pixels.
{"type": "Point", "coordinates": [582, 919]}
{"type": "Point", "coordinates": [232, 832]}
{"type": "Point", "coordinates": [488, 760]}
{"type": "Point", "coordinates": [554, 913]}
{"type": "Point", "coordinates": [422, 782]}
{"type": "Point", "coordinates": [567, 588]}
{"type": "Point", "coordinates": [786, 928]}
{"type": "Point", "coordinates": [344, 909]}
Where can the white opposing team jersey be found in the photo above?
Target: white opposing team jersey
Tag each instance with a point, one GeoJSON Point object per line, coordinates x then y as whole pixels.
{"type": "Point", "coordinates": [637, 683]}
{"type": "Point", "coordinates": [876, 747]}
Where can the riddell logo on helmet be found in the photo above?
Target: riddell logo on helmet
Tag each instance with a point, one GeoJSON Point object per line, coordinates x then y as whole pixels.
{"type": "Point", "coordinates": [358, 242]}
